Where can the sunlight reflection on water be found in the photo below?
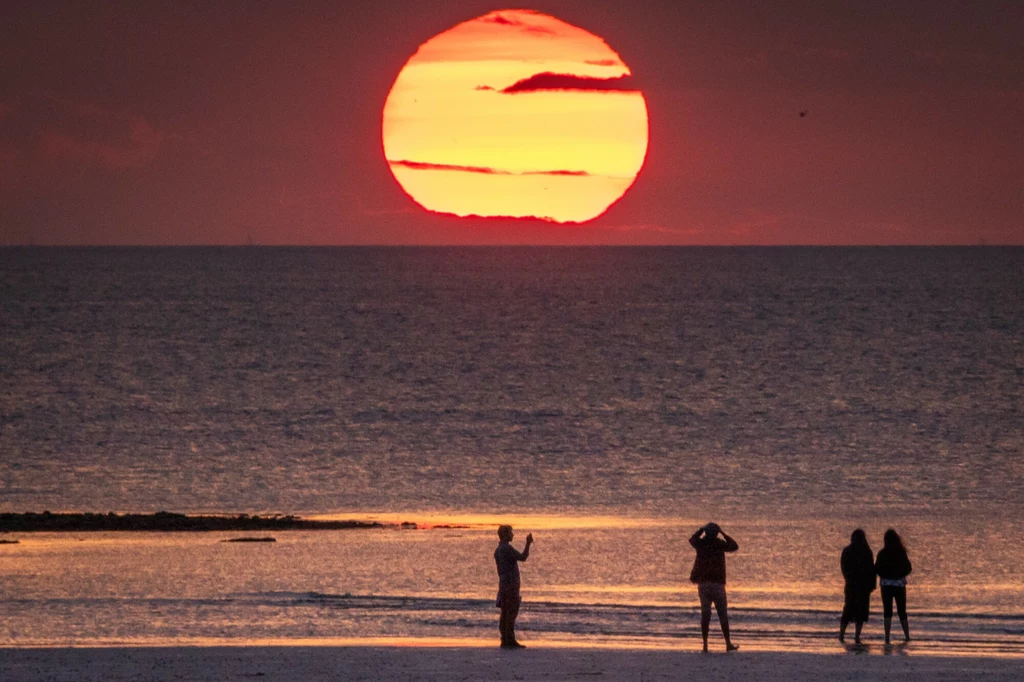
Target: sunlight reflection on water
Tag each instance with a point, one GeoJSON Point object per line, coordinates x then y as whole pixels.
{"type": "Point", "coordinates": [606, 583]}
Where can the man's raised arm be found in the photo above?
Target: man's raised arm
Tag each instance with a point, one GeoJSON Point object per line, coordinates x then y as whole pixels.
{"type": "Point", "coordinates": [525, 554]}
{"type": "Point", "coordinates": [695, 538]}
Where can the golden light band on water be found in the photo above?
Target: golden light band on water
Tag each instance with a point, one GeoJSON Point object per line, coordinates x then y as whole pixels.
{"type": "Point", "coordinates": [487, 521]}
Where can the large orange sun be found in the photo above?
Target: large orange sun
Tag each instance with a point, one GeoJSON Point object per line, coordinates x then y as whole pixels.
{"type": "Point", "coordinates": [517, 114]}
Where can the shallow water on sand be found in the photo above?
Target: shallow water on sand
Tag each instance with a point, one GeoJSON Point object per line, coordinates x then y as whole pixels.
{"type": "Point", "coordinates": [604, 585]}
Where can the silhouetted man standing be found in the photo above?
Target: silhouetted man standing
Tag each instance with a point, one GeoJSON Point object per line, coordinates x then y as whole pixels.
{"type": "Point", "coordinates": [709, 575]}
{"type": "Point", "coordinates": [507, 559]}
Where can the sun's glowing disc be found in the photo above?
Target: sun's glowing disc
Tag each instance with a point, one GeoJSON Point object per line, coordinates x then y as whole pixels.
{"type": "Point", "coordinates": [517, 114]}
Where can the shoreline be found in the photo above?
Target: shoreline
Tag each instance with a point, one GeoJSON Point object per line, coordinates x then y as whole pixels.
{"type": "Point", "coordinates": [271, 663]}
{"type": "Point", "coordinates": [689, 644]}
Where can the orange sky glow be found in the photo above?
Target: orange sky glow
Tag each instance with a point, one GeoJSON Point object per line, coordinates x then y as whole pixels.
{"type": "Point", "coordinates": [515, 114]}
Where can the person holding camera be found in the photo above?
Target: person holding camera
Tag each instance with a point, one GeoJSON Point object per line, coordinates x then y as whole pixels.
{"type": "Point", "coordinates": [709, 575]}
{"type": "Point", "coordinates": [507, 559]}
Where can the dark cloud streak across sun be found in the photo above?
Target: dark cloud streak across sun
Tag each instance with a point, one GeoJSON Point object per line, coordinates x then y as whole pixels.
{"type": "Point", "coordinates": [422, 165]}
{"type": "Point", "coordinates": [547, 82]}
{"type": "Point", "coordinates": [503, 20]}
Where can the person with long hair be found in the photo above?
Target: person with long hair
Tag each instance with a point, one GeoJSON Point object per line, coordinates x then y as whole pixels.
{"type": "Point", "coordinates": [858, 565]}
{"type": "Point", "coordinates": [893, 566]}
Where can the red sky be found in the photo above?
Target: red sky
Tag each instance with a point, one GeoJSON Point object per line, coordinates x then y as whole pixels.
{"type": "Point", "coordinates": [219, 122]}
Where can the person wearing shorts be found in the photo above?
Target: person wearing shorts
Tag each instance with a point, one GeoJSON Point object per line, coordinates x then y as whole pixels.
{"type": "Point", "coordinates": [709, 575]}
{"type": "Point", "coordinates": [507, 558]}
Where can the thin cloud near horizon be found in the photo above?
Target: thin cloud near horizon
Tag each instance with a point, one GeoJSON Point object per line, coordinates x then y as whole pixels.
{"type": "Point", "coordinates": [423, 165]}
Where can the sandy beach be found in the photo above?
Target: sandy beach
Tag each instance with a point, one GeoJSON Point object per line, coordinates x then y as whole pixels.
{"type": "Point", "coordinates": [273, 663]}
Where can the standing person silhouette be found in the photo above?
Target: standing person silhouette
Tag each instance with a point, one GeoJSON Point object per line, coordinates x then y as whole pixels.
{"type": "Point", "coordinates": [507, 559]}
{"type": "Point", "coordinates": [709, 575]}
{"type": "Point", "coordinates": [893, 566]}
{"type": "Point", "coordinates": [858, 566]}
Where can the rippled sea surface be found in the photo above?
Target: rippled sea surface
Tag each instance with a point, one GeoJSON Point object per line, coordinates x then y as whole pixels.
{"type": "Point", "coordinates": [608, 399]}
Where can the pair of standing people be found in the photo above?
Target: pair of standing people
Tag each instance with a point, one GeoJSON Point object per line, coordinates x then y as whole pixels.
{"type": "Point", "coordinates": [860, 569]}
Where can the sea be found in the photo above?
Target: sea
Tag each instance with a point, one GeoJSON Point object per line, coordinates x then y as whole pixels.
{"type": "Point", "coordinates": [607, 400]}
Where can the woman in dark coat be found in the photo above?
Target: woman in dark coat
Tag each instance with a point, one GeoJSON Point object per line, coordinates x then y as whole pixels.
{"type": "Point", "coordinates": [893, 567]}
{"type": "Point", "coordinates": [858, 565]}
{"type": "Point", "coordinates": [709, 575]}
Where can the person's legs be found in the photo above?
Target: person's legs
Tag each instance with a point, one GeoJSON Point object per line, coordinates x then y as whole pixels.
{"type": "Point", "coordinates": [887, 597]}
{"type": "Point", "coordinates": [507, 623]}
{"type": "Point", "coordinates": [722, 606]}
{"type": "Point", "coordinates": [503, 625]}
{"type": "Point", "coordinates": [704, 592]}
{"type": "Point", "coordinates": [847, 616]}
{"type": "Point", "coordinates": [861, 611]}
{"type": "Point", "coordinates": [900, 593]}
{"type": "Point", "coordinates": [513, 613]}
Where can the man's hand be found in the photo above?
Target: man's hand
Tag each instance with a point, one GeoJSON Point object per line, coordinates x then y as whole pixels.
{"type": "Point", "coordinates": [529, 538]}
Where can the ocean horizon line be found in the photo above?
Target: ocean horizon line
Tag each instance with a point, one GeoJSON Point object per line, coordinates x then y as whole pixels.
{"type": "Point", "coordinates": [511, 245]}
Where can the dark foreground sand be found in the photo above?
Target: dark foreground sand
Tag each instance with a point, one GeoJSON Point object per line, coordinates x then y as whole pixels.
{"type": "Point", "coordinates": [300, 663]}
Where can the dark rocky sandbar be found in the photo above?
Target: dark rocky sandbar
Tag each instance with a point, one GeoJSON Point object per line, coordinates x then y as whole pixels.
{"type": "Point", "coordinates": [165, 521]}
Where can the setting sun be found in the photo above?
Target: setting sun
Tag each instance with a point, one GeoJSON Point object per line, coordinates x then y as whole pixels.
{"type": "Point", "coordinates": [515, 114]}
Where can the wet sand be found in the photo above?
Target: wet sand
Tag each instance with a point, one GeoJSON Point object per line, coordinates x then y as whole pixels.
{"type": "Point", "coordinates": [422, 664]}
